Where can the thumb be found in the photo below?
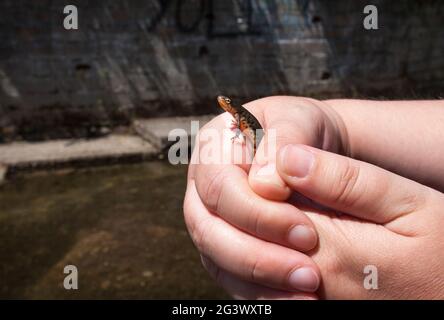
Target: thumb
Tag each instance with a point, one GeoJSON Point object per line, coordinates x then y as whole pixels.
{"type": "Point", "coordinates": [351, 186]}
{"type": "Point", "coordinates": [263, 176]}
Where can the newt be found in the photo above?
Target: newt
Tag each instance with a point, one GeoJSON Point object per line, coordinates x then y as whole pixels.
{"type": "Point", "coordinates": [244, 121]}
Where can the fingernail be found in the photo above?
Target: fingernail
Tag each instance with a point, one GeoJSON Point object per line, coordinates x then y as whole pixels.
{"type": "Point", "coordinates": [302, 237]}
{"type": "Point", "coordinates": [304, 279]}
{"type": "Point", "coordinates": [268, 175]}
{"type": "Point", "coordinates": [267, 170]}
{"type": "Point", "coordinates": [296, 161]}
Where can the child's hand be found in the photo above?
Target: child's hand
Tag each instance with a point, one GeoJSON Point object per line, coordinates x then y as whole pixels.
{"type": "Point", "coordinates": [292, 120]}
{"type": "Point", "coordinates": [391, 231]}
{"type": "Point", "coordinates": [253, 239]}
{"type": "Point", "coordinates": [390, 222]}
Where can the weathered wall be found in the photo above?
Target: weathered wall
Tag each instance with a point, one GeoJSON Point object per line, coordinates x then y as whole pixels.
{"type": "Point", "coordinates": [133, 58]}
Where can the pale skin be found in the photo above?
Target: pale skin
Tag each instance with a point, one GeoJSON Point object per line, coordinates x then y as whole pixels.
{"type": "Point", "coordinates": [377, 163]}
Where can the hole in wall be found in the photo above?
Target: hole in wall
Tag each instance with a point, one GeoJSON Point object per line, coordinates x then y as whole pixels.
{"type": "Point", "coordinates": [325, 75]}
{"type": "Point", "coordinates": [203, 51]}
{"type": "Point", "coordinates": [83, 67]}
{"type": "Point", "coordinates": [316, 19]}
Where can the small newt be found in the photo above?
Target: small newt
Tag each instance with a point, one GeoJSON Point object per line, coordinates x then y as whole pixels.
{"type": "Point", "coordinates": [244, 121]}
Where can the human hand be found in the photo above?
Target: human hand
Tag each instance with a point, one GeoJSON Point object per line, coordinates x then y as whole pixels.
{"type": "Point", "coordinates": [391, 223]}
{"type": "Point", "coordinates": [248, 237]}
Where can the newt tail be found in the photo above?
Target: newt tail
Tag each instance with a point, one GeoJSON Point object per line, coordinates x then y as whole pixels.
{"type": "Point", "coordinates": [244, 121]}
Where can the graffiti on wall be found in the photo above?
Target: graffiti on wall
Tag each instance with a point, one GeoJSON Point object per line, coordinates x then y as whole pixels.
{"type": "Point", "coordinates": [204, 12]}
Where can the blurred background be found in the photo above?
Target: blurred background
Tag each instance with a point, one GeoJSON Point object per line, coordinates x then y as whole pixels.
{"type": "Point", "coordinates": [85, 114]}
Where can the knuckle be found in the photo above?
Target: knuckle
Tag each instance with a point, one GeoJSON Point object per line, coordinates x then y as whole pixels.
{"type": "Point", "coordinates": [344, 189]}
{"type": "Point", "coordinates": [251, 267]}
{"type": "Point", "coordinates": [254, 217]}
{"type": "Point", "coordinates": [256, 269]}
{"type": "Point", "coordinates": [267, 222]}
{"type": "Point", "coordinates": [255, 273]}
{"type": "Point", "coordinates": [201, 234]}
{"type": "Point", "coordinates": [412, 201]}
{"type": "Point", "coordinates": [214, 187]}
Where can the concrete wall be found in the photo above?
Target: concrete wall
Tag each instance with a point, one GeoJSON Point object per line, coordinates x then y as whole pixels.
{"type": "Point", "coordinates": [134, 58]}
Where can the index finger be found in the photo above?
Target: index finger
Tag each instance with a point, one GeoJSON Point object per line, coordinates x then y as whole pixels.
{"type": "Point", "coordinates": [224, 190]}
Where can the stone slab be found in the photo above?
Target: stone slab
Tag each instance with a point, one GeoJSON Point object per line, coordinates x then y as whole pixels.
{"type": "Point", "coordinates": [156, 130]}
{"type": "Point", "coordinates": [66, 152]}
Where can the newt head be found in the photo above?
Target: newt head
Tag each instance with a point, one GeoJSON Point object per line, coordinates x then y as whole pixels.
{"type": "Point", "coordinates": [225, 103]}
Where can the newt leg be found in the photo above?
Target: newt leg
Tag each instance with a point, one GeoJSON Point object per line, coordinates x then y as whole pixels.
{"type": "Point", "coordinates": [234, 125]}
{"type": "Point", "coordinates": [236, 136]}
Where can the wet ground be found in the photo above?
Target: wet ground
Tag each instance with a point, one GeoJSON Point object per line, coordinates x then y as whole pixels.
{"type": "Point", "coordinates": [122, 227]}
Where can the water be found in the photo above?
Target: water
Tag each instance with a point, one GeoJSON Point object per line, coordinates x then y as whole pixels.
{"type": "Point", "coordinates": [121, 226]}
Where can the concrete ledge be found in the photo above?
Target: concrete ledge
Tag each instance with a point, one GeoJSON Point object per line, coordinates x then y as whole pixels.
{"type": "Point", "coordinates": [65, 153]}
{"type": "Point", "coordinates": [156, 130]}
{"type": "Point", "coordinates": [115, 148]}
